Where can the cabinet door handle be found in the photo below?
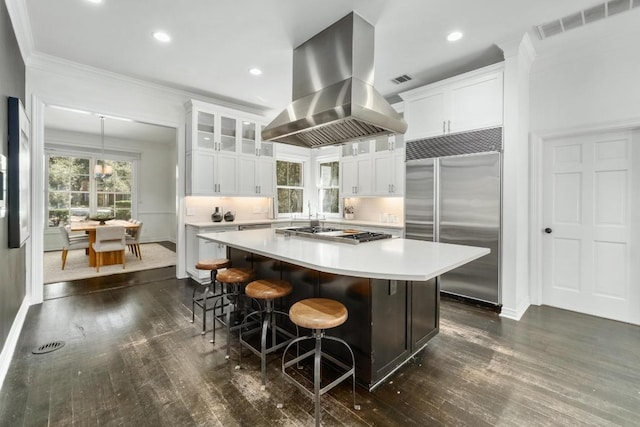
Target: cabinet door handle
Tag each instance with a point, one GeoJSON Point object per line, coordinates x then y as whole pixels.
{"type": "Point", "coordinates": [448, 126]}
{"type": "Point", "coordinates": [444, 129]}
{"type": "Point", "coordinates": [259, 190]}
{"type": "Point", "coordinates": [393, 188]}
{"type": "Point", "coordinates": [389, 188]}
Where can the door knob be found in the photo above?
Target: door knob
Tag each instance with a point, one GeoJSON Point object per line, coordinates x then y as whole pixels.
{"type": "Point", "coordinates": [548, 230]}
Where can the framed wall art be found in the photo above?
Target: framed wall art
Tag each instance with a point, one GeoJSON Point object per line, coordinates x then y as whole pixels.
{"type": "Point", "coordinates": [18, 174]}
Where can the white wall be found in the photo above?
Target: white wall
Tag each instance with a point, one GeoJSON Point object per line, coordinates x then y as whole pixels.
{"type": "Point", "coordinates": [587, 83]}
{"type": "Point", "coordinates": [155, 179]}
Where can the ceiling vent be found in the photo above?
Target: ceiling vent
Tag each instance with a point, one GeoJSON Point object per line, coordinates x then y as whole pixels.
{"type": "Point", "coordinates": [584, 17]}
{"type": "Point", "coordinates": [403, 78]}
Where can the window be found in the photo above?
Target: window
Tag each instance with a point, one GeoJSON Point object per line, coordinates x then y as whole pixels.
{"type": "Point", "coordinates": [75, 194]}
{"type": "Point", "coordinates": [290, 186]}
{"type": "Point", "coordinates": [329, 187]}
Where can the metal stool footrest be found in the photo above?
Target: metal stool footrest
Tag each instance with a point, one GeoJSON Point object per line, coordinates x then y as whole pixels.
{"type": "Point", "coordinates": [267, 322]}
{"type": "Point", "coordinates": [201, 302]}
{"type": "Point", "coordinates": [229, 312]}
{"type": "Point", "coordinates": [318, 354]}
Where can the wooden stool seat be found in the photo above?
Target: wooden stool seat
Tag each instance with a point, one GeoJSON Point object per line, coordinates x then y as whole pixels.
{"type": "Point", "coordinates": [213, 264]}
{"type": "Point", "coordinates": [235, 275]}
{"type": "Point", "coordinates": [268, 289]}
{"type": "Point", "coordinates": [318, 313]}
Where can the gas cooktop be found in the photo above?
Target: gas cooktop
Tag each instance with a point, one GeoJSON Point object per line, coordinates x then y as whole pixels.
{"type": "Point", "coordinates": [335, 234]}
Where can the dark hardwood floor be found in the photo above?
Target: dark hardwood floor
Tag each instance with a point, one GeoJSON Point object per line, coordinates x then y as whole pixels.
{"type": "Point", "coordinates": [132, 358]}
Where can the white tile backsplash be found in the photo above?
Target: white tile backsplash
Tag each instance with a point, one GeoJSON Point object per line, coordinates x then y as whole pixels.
{"type": "Point", "coordinates": [378, 209]}
{"type": "Point", "coordinates": [199, 209]}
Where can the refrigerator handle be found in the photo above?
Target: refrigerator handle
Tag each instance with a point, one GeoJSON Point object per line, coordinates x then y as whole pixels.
{"type": "Point", "coordinates": [436, 200]}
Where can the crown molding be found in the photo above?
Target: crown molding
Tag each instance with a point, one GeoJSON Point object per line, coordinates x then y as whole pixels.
{"type": "Point", "coordinates": [64, 67]}
{"type": "Point", "coordinates": [21, 27]}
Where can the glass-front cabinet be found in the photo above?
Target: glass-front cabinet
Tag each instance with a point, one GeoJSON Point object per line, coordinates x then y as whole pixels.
{"type": "Point", "coordinates": [228, 135]}
{"type": "Point", "coordinates": [206, 124]}
{"type": "Point", "coordinates": [249, 138]}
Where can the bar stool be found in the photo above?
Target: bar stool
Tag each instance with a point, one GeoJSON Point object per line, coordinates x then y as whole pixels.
{"type": "Point", "coordinates": [267, 290]}
{"type": "Point", "coordinates": [319, 314]}
{"type": "Point", "coordinates": [231, 281]}
{"type": "Point", "coordinates": [213, 265]}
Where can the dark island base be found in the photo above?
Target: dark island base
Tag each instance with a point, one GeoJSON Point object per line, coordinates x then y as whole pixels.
{"type": "Point", "coordinates": [388, 322]}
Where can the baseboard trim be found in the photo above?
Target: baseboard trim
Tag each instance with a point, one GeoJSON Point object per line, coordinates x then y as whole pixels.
{"type": "Point", "coordinates": [12, 340]}
{"type": "Point", "coordinates": [516, 314]}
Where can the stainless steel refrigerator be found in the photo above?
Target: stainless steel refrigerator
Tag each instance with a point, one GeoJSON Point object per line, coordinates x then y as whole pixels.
{"type": "Point", "coordinates": [453, 195]}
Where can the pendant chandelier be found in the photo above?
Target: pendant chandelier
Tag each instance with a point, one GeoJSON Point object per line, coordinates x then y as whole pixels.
{"type": "Point", "coordinates": [102, 171]}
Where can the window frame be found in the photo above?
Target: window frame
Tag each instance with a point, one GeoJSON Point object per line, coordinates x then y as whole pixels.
{"type": "Point", "coordinates": [304, 165]}
{"type": "Point", "coordinates": [297, 155]}
{"type": "Point", "coordinates": [319, 187]}
{"type": "Point", "coordinates": [94, 155]}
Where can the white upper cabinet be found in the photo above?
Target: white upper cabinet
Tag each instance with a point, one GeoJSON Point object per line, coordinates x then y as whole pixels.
{"type": "Point", "coordinates": [373, 167]}
{"type": "Point", "coordinates": [225, 155]}
{"type": "Point", "coordinates": [211, 174]}
{"type": "Point", "coordinates": [256, 176]}
{"type": "Point", "coordinates": [356, 169]}
{"type": "Point", "coordinates": [211, 130]}
{"type": "Point", "coordinates": [388, 166]}
{"type": "Point", "coordinates": [470, 101]}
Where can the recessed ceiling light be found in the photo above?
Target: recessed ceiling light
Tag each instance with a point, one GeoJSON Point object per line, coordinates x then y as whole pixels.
{"type": "Point", "coordinates": [255, 71]}
{"type": "Point", "coordinates": [454, 36]}
{"type": "Point", "coordinates": [161, 36]}
{"type": "Point", "coordinates": [95, 1]}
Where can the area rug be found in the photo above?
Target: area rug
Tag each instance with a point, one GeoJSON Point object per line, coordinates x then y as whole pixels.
{"type": "Point", "coordinates": [77, 267]}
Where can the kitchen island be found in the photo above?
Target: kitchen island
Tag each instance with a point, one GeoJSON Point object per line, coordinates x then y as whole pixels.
{"type": "Point", "coordinates": [388, 286]}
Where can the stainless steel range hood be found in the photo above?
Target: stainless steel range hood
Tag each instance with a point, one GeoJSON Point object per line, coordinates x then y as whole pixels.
{"type": "Point", "coordinates": [333, 96]}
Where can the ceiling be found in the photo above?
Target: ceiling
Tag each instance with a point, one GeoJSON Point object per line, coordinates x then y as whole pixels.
{"type": "Point", "coordinates": [215, 43]}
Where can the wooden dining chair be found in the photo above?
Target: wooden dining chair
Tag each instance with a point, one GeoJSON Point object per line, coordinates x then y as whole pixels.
{"type": "Point", "coordinates": [133, 239]}
{"type": "Point", "coordinates": [109, 238]}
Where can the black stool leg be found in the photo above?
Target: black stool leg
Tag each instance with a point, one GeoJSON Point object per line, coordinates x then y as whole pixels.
{"type": "Point", "coordinates": [193, 303]}
{"type": "Point", "coordinates": [205, 294]}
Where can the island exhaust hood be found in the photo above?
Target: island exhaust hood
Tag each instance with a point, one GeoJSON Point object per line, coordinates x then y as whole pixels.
{"type": "Point", "coordinates": [333, 96]}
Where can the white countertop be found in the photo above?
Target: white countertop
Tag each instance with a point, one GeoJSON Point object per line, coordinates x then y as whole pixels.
{"type": "Point", "coordinates": [345, 222]}
{"type": "Point", "coordinates": [391, 259]}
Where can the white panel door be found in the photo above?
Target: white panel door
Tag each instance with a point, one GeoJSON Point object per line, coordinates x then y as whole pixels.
{"type": "Point", "coordinates": [589, 231]}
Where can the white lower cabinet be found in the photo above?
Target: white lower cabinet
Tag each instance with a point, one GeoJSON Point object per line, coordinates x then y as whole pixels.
{"type": "Point", "coordinates": [198, 249]}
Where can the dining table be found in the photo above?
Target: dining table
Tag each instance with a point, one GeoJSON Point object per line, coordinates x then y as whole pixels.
{"type": "Point", "coordinates": [89, 227]}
